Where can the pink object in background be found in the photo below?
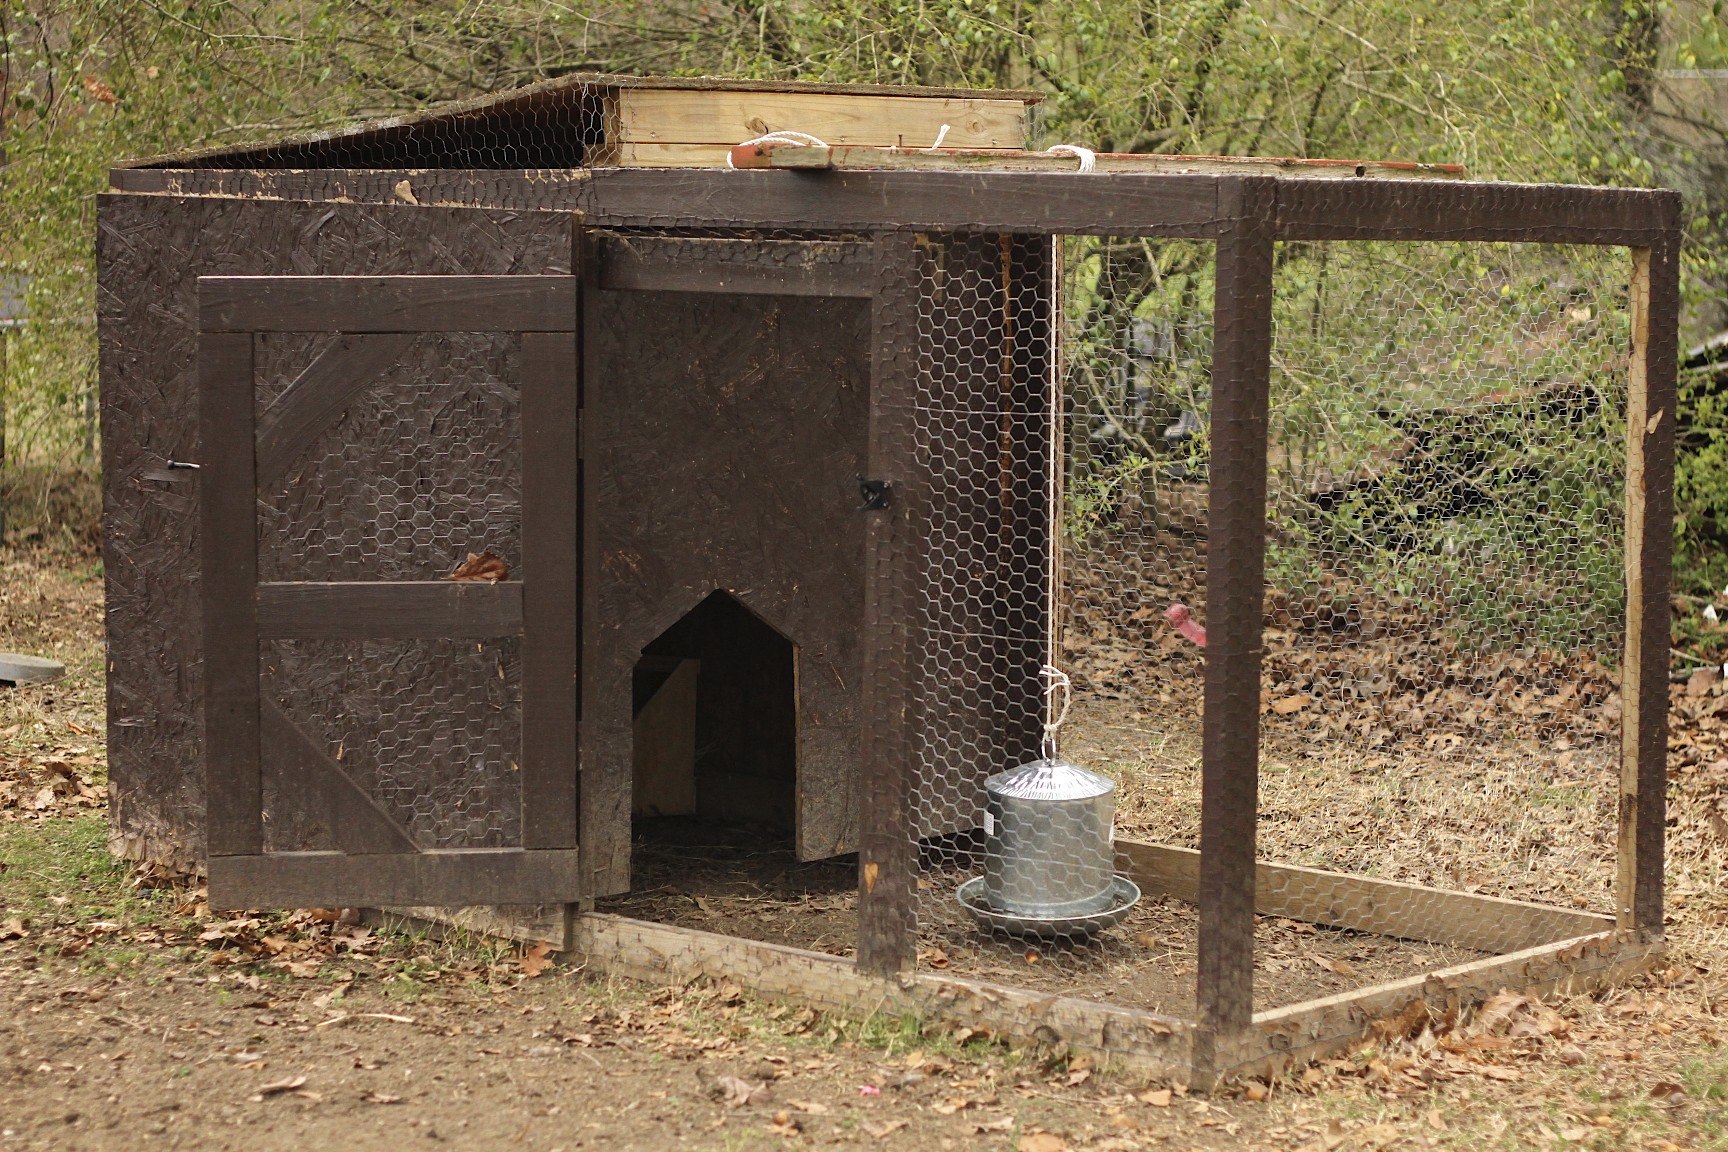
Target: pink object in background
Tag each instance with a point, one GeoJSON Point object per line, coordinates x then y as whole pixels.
{"type": "Point", "coordinates": [1179, 615]}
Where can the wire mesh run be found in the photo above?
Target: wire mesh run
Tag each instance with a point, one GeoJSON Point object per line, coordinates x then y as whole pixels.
{"type": "Point", "coordinates": [1444, 600]}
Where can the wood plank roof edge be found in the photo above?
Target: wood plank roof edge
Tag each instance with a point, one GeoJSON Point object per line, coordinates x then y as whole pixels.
{"type": "Point", "coordinates": [858, 157]}
{"type": "Point", "coordinates": [525, 97]}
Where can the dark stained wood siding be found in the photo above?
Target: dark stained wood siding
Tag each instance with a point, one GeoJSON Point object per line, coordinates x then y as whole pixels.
{"type": "Point", "coordinates": [724, 439]}
{"type": "Point", "coordinates": [151, 250]}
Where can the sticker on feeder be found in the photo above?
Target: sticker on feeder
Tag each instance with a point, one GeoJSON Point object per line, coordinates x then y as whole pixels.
{"type": "Point", "coordinates": [989, 823]}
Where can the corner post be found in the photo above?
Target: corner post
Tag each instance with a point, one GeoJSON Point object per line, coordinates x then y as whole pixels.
{"type": "Point", "coordinates": [1235, 563]}
{"type": "Point", "coordinates": [893, 569]}
{"type": "Point", "coordinates": [1651, 397]}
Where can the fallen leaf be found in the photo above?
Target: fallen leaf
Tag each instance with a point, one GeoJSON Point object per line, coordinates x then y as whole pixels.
{"type": "Point", "coordinates": [279, 1087]}
{"type": "Point", "coordinates": [736, 1093]}
{"type": "Point", "coordinates": [1000, 1124]}
{"type": "Point", "coordinates": [1158, 1098]}
{"type": "Point", "coordinates": [536, 959]}
{"type": "Point", "coordinates": [884, 1130]}
{"type": "Point", "coordinates": [12, 929]}
{"type": "Point", "coordinates": [381, 1098]}
{"type": "Point", "coordinates": [1340, 967]}
{"type": "Point", "coordinates": [809, 1106]}
{"type": "Point", "coordinates": [785, 1124]}
{"type": "Point", "coordinates": [1042, 1142]}
{"type": "Point", "coordinates": [1291, 704]}
{"type": "Point", "coordinates": [486, 565]}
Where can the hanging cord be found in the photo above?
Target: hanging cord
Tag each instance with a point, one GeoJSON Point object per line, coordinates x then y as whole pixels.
{"type": "Point", "coordinates": [1088, 158]}
{"type": "Point", "coordinates": [1056, 687]}
{"type": "Point", "coordinates": [804, 139]}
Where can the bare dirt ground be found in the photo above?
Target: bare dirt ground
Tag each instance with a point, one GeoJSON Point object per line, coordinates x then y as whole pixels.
{"type": "Point", "coordinates": [133, 1017]}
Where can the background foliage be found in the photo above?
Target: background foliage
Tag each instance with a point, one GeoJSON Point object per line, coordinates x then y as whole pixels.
{"type": "Point", "coordinates": [1562, 90]}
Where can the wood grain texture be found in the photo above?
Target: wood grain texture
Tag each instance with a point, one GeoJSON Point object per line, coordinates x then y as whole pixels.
{"type": "Point", "coordinates": [366, 610]}
{"type": "Point", "coordinates": [317, 396]}
{"type": "Point", "coordinates": [1466, 210]}
{"type": "Point", "coordinates": [1169, 204]}
{"type": "Point", "coordinates": [1236, 518]}
{"type": "Point", "coordinates": [551, 597]}
{"type": "Point", "coordinates": [548, 122]}
{"type": "Point", "coordinates": [1148, 1043]}
{"type": "Point", "coordinates": [691, 400]}
{"type": "Point", "coordinates": [357, 823]}
{"type": "Point", "coordinates": [888, 855]}
{"type": "Point", "coordinates": [233, 805]}
{"type": "Point", "coordinates": [1288, 1037]}
{"type": "Point", "coordinates": [442, 878]}
{"type": "Point", "coordinates": [387, 303]}
{"type": "Point", "coordinates": [670, 117]}
{"type": "Point", "coordinates": [638, 263]}
{"type": "Point", "coordinates": [1650, 424]}
{"type": "Point", "coordinates": [150, 252]}
{"type": "Point", "coordinates": [1366, 904]}
{"type": "Point", "coordinates": [954, 159]}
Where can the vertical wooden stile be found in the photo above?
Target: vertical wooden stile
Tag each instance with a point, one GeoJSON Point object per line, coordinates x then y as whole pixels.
{"type": "Point", "coordinates": [228, 489]}
{"type": "Point", "coordinates": [1650, 412]}
{"type": "Point", "coordinates": [549, 591]}
{"type": "Point", "coordinates": [1236, 520]}
{"type": "Point", "coordinates": [893, 569]}
{"type": "Point", "coordinates": [603, 702]}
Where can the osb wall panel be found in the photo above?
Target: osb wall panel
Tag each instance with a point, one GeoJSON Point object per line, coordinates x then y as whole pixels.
{"type": "Point", "coordinates": [150, 251]}
{"type": "Point", "coordinates": [725, 438]}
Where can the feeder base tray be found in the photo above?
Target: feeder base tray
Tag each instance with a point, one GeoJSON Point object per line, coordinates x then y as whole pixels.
{"type": "Point", "coordinates": [1124, 894]}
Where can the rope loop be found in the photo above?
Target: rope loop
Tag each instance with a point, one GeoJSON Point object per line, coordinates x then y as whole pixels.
{"type": "Point", "coordinates": [1056, 688]}
{"type": "Point", "coordinates": [802, 139]}
{"type": "Point", "coordinates": [1088, 158]}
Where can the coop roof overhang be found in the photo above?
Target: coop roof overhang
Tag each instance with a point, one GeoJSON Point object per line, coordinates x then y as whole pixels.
{"type": "Point", "coordinates": [572, 105]}
{"type": "Point", "coordinates": [1154, 204]}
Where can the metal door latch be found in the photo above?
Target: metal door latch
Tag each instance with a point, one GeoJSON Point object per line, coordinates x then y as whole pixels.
{"type": "Point", "coordinates": [874, 494]}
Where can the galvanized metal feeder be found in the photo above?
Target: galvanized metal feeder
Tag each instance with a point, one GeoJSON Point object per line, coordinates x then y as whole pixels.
{"type": "Point", "coordinates": [1049, 863]}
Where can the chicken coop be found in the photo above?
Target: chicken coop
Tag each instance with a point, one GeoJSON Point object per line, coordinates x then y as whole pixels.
{"type": "Point", "coordinates": [1195, 610]}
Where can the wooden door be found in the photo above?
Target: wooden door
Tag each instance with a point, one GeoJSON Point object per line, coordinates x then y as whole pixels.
{"type": "Point", "coordinates": [377, 732]}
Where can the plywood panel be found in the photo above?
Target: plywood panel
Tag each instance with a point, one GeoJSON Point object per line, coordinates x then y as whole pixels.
{"type": "Point", "coordinates": [694, 406]}
{"type": "Point", "coordinates": [669, 117]}
{"type": "Point", "coordinates": [663, 754]}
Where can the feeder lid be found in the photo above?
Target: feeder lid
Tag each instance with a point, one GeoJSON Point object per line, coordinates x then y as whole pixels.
{"type": "Point", "coordinates": [1049, 780]}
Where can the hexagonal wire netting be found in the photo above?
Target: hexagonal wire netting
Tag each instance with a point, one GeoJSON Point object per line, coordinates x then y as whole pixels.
{"type": "Point", "coordinates": [423, 468]}
{"type": "Point", "coordinates": [1443, 609]}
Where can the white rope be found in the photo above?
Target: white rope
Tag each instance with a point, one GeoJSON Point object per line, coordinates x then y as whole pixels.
{"type": "Point", "coordinates": [940, 136]}
{"type": "Point", "coordinates": [802, 139]}
{"type": "Point", "coordinates": [1088, 158]}
{"type": "Point", "coordinates": [1056, 687]}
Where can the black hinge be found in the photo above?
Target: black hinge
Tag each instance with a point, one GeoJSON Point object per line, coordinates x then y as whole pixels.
{"type": "Point", "coordinates": [874, 494]}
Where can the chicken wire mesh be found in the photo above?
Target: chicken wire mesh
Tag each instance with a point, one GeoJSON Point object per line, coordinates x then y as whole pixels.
{"type": "Point", "coordinates": [1444, 589]}
{"type": "Point", "coordinates": [421, 469]}
{"type": "Point", "coordinates": [1445, 566]}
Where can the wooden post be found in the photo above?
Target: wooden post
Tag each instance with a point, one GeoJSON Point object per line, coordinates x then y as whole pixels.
{"type": "Point", "coordinates": [893, 558]}
{"type": "Point", "coordinates": [233, 787]}
{"type": "Point", "coordinates": [1236, 519]}
{"type": "Point", "coordinates": [1650, 403]}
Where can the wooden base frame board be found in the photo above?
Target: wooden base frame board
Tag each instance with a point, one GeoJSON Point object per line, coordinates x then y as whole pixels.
{"type": "Point", "coordinates": [1540, 949]}
{"type": "Point", "coordinates": [1132, 1040]}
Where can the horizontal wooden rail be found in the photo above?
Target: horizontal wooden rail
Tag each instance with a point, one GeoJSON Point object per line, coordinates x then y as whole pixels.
{"type": "Point", "coordinates": [737, 267]}
{"type": "Point", "coordinates": [860, 158]}
{"type": "Point", "coordinates": [370, 610]}
{"type": "Point", "coordinates": [387, 303]}
{"type": "Point", "coordinates": [1366, 904]}
{"type": "Point", "coordinates": [1100, 203]}
{"type": "Point", "coordinates": [450, 877]}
